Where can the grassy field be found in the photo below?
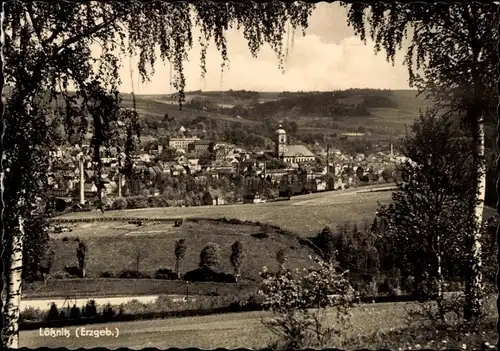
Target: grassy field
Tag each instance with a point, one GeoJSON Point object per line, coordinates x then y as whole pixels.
{"type": "Point", "coordinates": [380, 326]}
{"type": "Point", "coordinates": [238, 330]}
{"type": "Point", "coordinates": [156, 109]}
{"type": "Point", "coordinates": [304, 215]}
{"type": "Point", "coordinates": [114, 246]}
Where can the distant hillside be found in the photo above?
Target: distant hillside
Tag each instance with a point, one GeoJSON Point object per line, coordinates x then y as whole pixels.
{"type": "Point", "coordinates": [377, 115]}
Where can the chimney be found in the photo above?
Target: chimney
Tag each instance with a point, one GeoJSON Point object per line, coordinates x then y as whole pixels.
{"type": "Point", "coordinates": [82, 182]}
{"type": "Point", "coordinates": [119, 183]}
{"type": "Point", "coordinates": [392, 151]}
{"type": "Point", "coordinates": [327, 158]}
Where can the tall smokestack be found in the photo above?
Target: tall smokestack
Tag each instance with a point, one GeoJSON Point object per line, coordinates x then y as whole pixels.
{"type": "Point", "coordinates": [392, 151]}
{"type": "Point", "coordinates": [327, 158]}
{"type": "Point", "coordinates": [82, 182]}
{"type": "Point", "coordinates": [119, 183]}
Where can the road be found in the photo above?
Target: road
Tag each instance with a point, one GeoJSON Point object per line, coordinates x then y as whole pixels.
{"type": "Point", "coordinates": [207, 332]}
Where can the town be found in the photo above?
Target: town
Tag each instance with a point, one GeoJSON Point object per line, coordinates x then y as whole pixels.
{"type": "Point", "coordinates": [268, 174]}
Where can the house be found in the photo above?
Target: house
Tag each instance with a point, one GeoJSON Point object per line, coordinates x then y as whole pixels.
{"type": "Point", "coordinates": [201, 179]}
{"type": "Point", "coordinates": [201, 147]}
{"type": "Point", "coordinates": [181, 159]}
{"type": "Point", "coordinates": [221, 151]}
{"type": "Point", "coordinates": [276, 174]}
{"type": "Point", "coordinates": [213, 197]}
{"type": "Point", "coordinates": [321, 185]}
{"type": "Point", "coordinates": [90, 190]}
{"type": "Point", "coordinates": [252, 198]}
{"type": "Point", "coordinates": [182, 143]}
{"type": "Point", "coordinates": [176, 170]}
{"type": "Point", "coordinates": [291, 153]}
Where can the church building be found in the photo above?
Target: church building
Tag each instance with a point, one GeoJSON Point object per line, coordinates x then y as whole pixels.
{"type": "Point", "coordinates": [292, 154]}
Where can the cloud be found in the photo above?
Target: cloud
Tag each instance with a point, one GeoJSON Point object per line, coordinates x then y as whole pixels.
{"type": "Point", "coordinates": [328, 57]}
{"type": "Point", "coordinates": [312, 65]}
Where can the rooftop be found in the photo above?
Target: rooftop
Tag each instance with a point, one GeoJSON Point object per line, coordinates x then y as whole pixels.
{"type": "Point", "coordinates": [297, 150]}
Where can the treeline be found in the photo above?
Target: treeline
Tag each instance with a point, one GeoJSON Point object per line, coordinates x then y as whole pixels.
{"type": "Point", "coordinates": [320, 104]}
{"type": "Point", "coordinates": [354, 102]}
{"type": "Point", "coordinates": [240, 94]}
{"type": "Point", "coordinates": [378, 265]}
{"type": "Point", "coordinates": [340, 93]}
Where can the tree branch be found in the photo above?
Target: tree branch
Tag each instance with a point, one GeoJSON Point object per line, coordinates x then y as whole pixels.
{"type": "Point", "coordinates": [86, 34]}
{"type": "Point", "coordinates": [36, 28]}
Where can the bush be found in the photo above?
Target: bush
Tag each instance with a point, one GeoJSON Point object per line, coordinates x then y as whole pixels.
{"type": "Point", "coordinates": [137, 202]}
{"type": "Point", "coordinates": [90, 310]}
{"type": "Point", "coordinates": [31, 314]}
{"type": "Point", "coordinates": [119, 204]}
{"type": "Point", "coordinates": [108, 313]}
{"type": "Point", "coordinates": [73, 271]}
{"type": "Point", "coordinates": [206, 274]}
{"type": "Point", "coordinates": [209, 256]}
{"type": "Point", "coordinates": [75, 313]}
{"type": "Point", "coordinates": [53, 314]}
{"type": "Point", "coordinates": [108, 275]}
{"type": "Point", "coordinates": [389, 286]}
{"type": "Point", "coordinates": [165, 273]}
{"type": "Point", "coordinates": [132, 274]}
{"type": "Point", "coordinates": [260, 236]}
{"type": "Point", "coordinates": [290, 296]}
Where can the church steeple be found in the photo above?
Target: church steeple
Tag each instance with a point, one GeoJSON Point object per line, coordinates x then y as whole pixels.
{"type": "Point", "coordinates": [280, 141]}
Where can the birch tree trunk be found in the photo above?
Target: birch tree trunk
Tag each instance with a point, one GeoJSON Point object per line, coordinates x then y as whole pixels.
{"type": "Point", "coordinates": [440, 280]}
{"type": "Point", "coordinates": [473, 298]}
{"type": "Point", "coordinates": [13, 275]}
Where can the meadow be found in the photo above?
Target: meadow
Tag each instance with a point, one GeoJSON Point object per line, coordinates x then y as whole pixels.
{"type": "Point", "coordinates": [303, 215]}
{"type": "Point", "coordinates": [156, 109]}
{"type": "Point", "coordinates": [117, 246]}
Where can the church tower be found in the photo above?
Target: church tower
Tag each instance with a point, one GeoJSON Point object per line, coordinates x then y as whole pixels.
{"type": "Point", "coordinates": [280, 142]}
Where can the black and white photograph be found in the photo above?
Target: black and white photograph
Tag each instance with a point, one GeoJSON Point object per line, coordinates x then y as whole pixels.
{"type": "Point", "coordinates": [260, 175]}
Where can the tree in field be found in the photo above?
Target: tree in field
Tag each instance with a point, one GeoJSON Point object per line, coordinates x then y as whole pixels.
{"type": "Point", "coordinates": [180, 252]}
{"type": "Point", "coordinates": [236, 258]}
{"type": "Point", "coordinates": [81, 255]}
{"type": "Point", "coordinates": [47, 50]}
{"type": "Point", "coordinates": [425, 223]}
{"type": "Point", "coordinates": [46, 263]}
{"type": "Point", "coordinates": [210, 256]}
{"type": "Point", "coordinates": [454, 48]}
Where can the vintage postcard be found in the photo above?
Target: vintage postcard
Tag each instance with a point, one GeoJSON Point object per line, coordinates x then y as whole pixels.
{"type": "Point", "coordinates": [249, 175]}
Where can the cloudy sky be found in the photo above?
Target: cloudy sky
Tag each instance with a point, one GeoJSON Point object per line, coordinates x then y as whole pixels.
{"type": "Point", "coordinates": [328, 57]}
